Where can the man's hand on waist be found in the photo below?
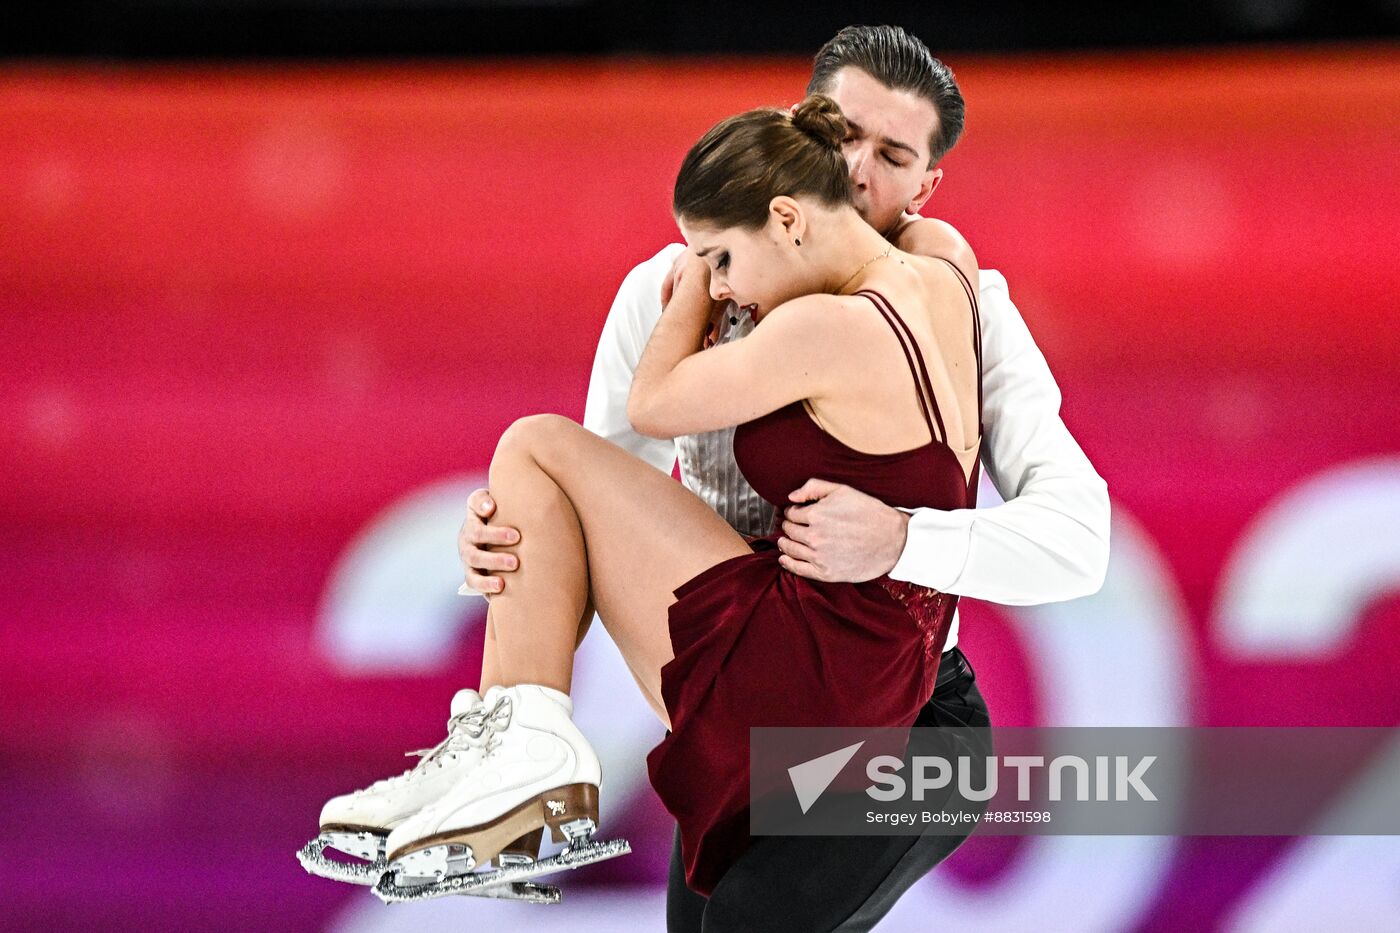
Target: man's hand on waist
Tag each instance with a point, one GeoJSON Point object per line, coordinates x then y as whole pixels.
{"type": "Point", "coordinates": [838, 534]}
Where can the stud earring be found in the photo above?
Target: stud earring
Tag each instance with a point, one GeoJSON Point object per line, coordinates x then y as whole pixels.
{"type": "Point", "coordinates": [797, 242]}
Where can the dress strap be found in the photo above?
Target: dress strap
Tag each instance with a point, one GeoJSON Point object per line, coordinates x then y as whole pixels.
{"type": "Point", "coordinates": [976, 331]}
{"type": "Point", "coordinates": [910, 346]}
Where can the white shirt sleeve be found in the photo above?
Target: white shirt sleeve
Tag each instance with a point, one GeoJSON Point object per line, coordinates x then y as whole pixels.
{"type": "Point", "coordinates": [1049, 540]}
{"type": "Point", "coordinates": [632, 318]}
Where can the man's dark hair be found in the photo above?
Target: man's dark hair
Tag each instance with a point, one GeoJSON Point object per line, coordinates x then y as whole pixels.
{"type": "Point", "coordinates": [902, 63]}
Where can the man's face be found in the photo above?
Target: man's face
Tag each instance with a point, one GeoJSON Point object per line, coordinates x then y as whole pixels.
{"type": "Point", "coordinates": [888, 149]}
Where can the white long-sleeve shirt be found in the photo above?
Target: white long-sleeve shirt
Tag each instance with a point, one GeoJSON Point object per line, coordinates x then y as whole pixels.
{"type": "Point", "coordinates": [1047, 542]}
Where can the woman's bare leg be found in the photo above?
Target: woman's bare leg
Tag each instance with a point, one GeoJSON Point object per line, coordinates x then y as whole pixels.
{"type": "Point", "coordinates": [491, 662]}
{"type": "Point", "coordinates": [593, 519]}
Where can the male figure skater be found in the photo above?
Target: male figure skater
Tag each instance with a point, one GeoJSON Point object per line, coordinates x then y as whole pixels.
{"type": "Point", "coordinates": [1048, 542]}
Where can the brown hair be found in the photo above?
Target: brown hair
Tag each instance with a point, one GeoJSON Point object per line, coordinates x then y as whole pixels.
{"type": "Point", "coordinates": [729, 177]}
{"type": "Point", "coordinates": [900, 62]}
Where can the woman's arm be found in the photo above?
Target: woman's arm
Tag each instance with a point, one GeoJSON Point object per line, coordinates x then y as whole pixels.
{"type": "Point", "coordinates": [678, 390]}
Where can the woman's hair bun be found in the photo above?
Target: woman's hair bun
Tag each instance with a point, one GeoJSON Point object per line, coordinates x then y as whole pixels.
{"type": "Point", "coordinates": [819, 117]}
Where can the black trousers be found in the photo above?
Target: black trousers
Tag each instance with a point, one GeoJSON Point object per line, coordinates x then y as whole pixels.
{"type": "Point", "coordinates": [812, 884]}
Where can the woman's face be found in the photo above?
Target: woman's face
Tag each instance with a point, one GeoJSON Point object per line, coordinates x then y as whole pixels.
{"type": "Point", "coordinates": [757, 269]}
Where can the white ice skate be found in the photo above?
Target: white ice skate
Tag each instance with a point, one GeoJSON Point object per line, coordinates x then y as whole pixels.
{"type": "Point", "coordinates": [537, 771]}
{"type": "Point", "coordinates": [358, 824]}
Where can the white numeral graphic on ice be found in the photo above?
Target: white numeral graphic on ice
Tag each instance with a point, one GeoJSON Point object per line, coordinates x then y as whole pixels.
{"type": "Point", "coordinates": [1304, 575]}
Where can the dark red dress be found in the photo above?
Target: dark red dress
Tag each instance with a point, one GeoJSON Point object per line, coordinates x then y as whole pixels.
{"type": "Point", "coordinates": [756, 645]}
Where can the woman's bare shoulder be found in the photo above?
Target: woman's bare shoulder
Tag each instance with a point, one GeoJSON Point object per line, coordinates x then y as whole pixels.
{"type": "Point", "coordinates": [835, 325]}
{"type": "Point", "coordinates": [938, 239]}
{"type": "Point", "coordinates": [817, 310]}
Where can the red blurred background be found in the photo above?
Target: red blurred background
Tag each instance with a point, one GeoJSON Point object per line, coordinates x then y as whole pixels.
{"type": "Point", "coordinates": [249, 318]}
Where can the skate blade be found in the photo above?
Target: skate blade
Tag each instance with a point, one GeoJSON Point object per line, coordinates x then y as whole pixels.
{"type": "Point", "coordinates": [365, 846]}
{"type": "Point", "coordinates": [488, 882]}
{"type": "Point", "coordinates": [522, 891]}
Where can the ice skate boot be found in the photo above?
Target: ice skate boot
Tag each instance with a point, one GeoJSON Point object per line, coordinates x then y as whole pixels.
{"type": "Point", "coordinates": [357, 824]}
{"type": "Point", "coordinates": [536, 771]}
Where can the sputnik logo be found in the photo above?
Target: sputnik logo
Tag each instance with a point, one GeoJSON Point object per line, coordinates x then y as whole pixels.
{"type": "Point", "coordinates": [811, 778]}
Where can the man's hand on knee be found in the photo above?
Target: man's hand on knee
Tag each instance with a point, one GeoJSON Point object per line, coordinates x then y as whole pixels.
{"type": "Point", "coordinates": [838, 534]}
{"type": "Point", "coordinates": [474, 543]}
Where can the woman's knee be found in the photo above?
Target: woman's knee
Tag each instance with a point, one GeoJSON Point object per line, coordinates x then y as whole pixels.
{"type": "Point", "coordinates": [535, 435]}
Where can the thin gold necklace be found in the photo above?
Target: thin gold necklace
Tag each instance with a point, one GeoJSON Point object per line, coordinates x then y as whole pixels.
{"type": "Point", "coordinates": [840, 288]}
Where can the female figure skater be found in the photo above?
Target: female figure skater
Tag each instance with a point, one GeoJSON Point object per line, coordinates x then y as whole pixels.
{"type": "Point", "coordinates": [864, 369]}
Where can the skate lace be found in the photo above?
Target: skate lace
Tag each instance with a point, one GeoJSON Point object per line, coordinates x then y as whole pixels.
{"type": "Point", "coordinates": [474, 728]}
{"type": "Point", "coordinates": [496, 721]}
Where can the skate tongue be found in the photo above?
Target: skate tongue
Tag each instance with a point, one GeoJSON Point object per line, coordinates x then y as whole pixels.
{"type": "Point", "coordinates": [465, 701]}
{"type": "Point", "coordinates": [520, 690]}
{"type": "Point", "coordinates": [561, 698]}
